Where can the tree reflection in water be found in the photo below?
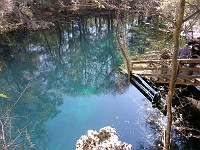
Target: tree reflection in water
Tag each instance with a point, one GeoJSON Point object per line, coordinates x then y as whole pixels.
{"type": "Point", "coordinates": [76, 59]}
{"type": "Point", "coordinates": [37, 69]}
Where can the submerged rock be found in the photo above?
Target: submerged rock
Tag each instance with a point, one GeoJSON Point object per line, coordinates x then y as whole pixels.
{"type": "Point", "coordinates": [105, 139]}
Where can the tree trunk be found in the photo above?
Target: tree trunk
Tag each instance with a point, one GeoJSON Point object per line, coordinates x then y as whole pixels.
{"type": "Point", "coordinates": [177, 28]}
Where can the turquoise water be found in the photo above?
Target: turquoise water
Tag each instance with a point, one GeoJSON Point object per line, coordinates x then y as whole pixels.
{"type": "Point", "coordinates": [66, 80]}
{"type": "Point", "coordinates": [62, 82]}
{"type": "Point", "coordinates": [94, 112]}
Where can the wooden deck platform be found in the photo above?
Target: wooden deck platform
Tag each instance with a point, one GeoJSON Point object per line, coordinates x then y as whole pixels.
{"type": "Point", "coordinates": [159, 71]}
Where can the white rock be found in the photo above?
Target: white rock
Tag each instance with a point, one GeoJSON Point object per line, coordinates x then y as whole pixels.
{"type": "Point", "coordinates": [105, 139]}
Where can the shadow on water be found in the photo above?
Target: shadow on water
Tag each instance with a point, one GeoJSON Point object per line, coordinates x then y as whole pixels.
{"type": "Point", "coordinates": [185, 111]}
{"type": "Point", "coordinates": [58, 78]}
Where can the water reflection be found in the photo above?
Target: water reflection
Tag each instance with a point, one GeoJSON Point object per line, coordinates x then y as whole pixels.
{"type": "Point", "coordinates": [64, 81]}
{"type": "Point", "coordinates": [81, 114]}
{"type": "Point", "coordinates": [40, 69]}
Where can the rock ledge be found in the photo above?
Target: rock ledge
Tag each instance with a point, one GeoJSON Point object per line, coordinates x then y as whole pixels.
{"type": "Point", "coordinates": [106, 139]}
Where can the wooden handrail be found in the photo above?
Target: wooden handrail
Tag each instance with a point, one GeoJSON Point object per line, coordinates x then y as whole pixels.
{"type": "Point", "coordinates": [161, 70]}
{"type": "Point", "coordinates": [182, 61]}
{"type": "Point", "coordinates": [169, 75]}
{"type": "Point", "coordinates": [168, 69]}
{"type": "Point", "coordinates": [165, 65]}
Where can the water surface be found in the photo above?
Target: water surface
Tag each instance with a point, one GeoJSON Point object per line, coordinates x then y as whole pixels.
{"type": "Point", "coordinates": [64, 81]}
{"type": "Point", "coordinates": [94, 112]}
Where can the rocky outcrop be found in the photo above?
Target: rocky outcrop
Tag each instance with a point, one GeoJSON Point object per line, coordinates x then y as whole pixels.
{"type": "Point", "coordinates": [105, 139]}
{"type": "Point", "coordinates": [195, 103]}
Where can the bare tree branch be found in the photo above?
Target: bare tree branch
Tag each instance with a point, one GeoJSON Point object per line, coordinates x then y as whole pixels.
{"type": "Point", "coordinates": [192, 15]}
{"type": "Point", "coordinates": [3, 135]}
{"type": "Point", "coordinates": [18, 98]}
{"type": "Point", "coordinates": [176, 35]}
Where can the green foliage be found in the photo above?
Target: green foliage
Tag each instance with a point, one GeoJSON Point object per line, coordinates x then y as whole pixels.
{"type": "Point", "coordinates": [3, 95]}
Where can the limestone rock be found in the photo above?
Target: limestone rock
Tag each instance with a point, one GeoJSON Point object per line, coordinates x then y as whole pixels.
{"type": "Point", "coordinates": [105, 139]}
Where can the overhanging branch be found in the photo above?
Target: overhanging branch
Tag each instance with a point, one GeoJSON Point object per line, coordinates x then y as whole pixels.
{"type": "Point", "coordinates": [192, 15]}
